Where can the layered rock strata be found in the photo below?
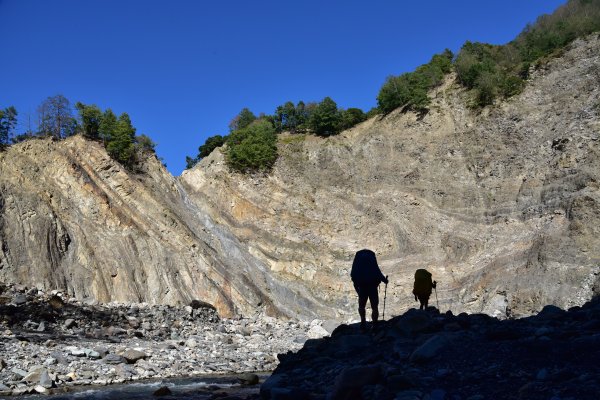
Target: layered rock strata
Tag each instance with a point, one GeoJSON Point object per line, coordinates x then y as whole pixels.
{"type": "Point", "coordinates": [501, 205]}
{"type": "Point", "coordinates": [73, 219]}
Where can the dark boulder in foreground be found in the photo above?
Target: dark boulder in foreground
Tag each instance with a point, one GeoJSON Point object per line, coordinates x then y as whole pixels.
{"type": "Point", "coordinates": [430, 356]}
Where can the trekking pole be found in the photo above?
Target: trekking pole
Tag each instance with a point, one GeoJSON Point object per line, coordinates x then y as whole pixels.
{"type": "Point", "coordinates": [384, 298]}
{"type": "Point", "coordinates": [436, 298]}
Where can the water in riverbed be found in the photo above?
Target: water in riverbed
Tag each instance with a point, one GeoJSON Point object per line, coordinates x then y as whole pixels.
{"type": "Point", "coordinates": [197, 388]}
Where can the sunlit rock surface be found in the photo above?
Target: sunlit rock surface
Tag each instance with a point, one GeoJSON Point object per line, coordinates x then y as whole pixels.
{"type": "Point", "coordinates": [500, 205]}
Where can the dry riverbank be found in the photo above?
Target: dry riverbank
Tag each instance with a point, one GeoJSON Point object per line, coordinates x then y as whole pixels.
{"type": "Point", "coordinates": [50, 342]}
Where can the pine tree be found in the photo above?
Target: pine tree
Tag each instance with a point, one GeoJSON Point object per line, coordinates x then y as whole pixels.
{"type": "Point", "coordinates": [8, 121]}
{"type": "Point", "coordinates": [90, 118]}
{"type": "Point", "coordinates": [121, 145]}
{"type": "Point", "coordinates": [108, 126]}
{"type": "Point", "coordinates": [324, 120]}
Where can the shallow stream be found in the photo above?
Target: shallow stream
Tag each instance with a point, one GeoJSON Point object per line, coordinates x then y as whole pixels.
{"type": "Point", "coordinates": [198, 388]}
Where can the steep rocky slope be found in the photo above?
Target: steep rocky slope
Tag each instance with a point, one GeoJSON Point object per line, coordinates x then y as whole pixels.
{"type": "Point", "coordinates": [73, 219]}
{"type": "Point", "coordinates": [502, 206]}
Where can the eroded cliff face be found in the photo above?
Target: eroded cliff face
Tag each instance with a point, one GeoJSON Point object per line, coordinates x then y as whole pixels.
{"type": "Point", "coordinates": [73, 219]}
{"type": "Point", "coordinates": [502, 206]}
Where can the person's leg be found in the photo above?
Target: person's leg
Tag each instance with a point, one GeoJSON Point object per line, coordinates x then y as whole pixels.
{"type": "Point", "coordinates": [427, 299]}
{"type": "Point", "coordinates": [423, 302]}
{"type": "Point", "coordinates": [362, 303]}
{"type": "Point", "coordinates": [374, 300]}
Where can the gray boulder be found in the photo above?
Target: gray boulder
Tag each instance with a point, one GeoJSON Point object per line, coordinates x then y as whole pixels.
{"type": "Point", "coordinates": [131, 356]}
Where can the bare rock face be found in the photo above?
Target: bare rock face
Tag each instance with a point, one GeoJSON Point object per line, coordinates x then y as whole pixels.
{"type": "Point", "coordinates": [502, 206]}
{"type": "Point", "coordinates": [73, 219]}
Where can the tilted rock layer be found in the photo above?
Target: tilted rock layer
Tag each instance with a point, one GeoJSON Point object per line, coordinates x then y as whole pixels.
{"type": "Point", "coordinates": [502, 206]}
{"type": "Point", "coordinates": [73, 219]}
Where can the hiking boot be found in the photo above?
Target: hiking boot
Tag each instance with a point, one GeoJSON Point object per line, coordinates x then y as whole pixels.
{"type": "Point", "coordinates": [375, 327]}
{"type": "Point", "coordinates": [363, 326]}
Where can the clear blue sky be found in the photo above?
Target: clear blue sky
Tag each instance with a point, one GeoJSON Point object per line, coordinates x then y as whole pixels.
{"type": "Point", "coordinates": [184, 69]}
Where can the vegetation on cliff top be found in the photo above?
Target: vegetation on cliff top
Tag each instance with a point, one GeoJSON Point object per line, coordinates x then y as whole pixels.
{"type": "Point", "coordinates": [487, 71]}
{"type": "Point", "coordinates": [56, 120]}
{"type": "Point", "coordinates": [491, 71]}
{"type": "Point", "coordinates": [252, 141]}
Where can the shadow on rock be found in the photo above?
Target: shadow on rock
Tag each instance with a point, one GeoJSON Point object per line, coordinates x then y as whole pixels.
{"type": "Point", "coordinates": [428, 355]}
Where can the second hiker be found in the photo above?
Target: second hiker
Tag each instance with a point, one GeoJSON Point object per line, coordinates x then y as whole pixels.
{"type": "Point", "coordinates": [422, 287]}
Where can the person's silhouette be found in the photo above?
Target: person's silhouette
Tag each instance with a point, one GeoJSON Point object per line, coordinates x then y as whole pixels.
{"type": "Point", "coordinates": [366, 277]}
{"type": "Point", "coordinates": [422, 287]}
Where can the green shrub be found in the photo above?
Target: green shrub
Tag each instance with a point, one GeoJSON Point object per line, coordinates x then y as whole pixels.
{"type": "Point", "coordinates": [253, 148]}
{"type": "Point", "coordinates": [499, 71]}
{"type": "Point", "coordinates": [410, 90]}
{"type": "Point", "coordinates": [350, 117]}
{"type": "Point", "coordinates": [210, 144]}
{"type": "Point", "coordinates": [325, 118]}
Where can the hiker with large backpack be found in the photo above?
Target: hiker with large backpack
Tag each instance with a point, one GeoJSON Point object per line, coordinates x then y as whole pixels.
{"type": "Point", "coordinates": [366, 277]}
{"type": "Point", "coordinates": [422, 287]}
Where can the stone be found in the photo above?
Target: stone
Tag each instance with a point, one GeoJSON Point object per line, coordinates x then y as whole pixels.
{"type": "Point", "coordinates": [18, 391]}
{"type": "Point", "coordinates": [45, 380]}
{"type": "Point", "coordinates": [397, 382]}
{"type": "Point", "coordinates": [162, 391]}
{"type": "Point", "coordinates": [551, 312]}
{"type": "Point", "coordinates": [476, 397]}
{"type": "Point", "coordinates": [87, 374]}
{"type": "Point", "coordinates": [196, 304]}
{"type": "Point", "coordinates": [330, 325]}
{"type": "Point", "coordinates": [71, 376]}
{"type": "Point", "coordinates": [19, 299]}
{"type": "Point", "coordinates": [429, 349]}
{"type": "Point", "coordinates": [273, 382]}
{"type": "Point", "coordinates": [50, 361]}
{"type": "Point", "coordinates": [131, 355]}
{"type": "Point", "coordinates": [353, 378]}
{"type": "Point", "coordinates": [34, 374]}
{"type": "Point", "coordinates": [56, 302]}
{"type": "Point", "coordinates": [69, 323]}
{"type": "Point", "coordinates": [92, 354]}
{"type": "Point", "coordinates": [41, 389]}
{"type": "Point", "coordinates": [113, 359]}
{"type": "Point", "coordinates": [248, 379]}
{"type": "Point", "coordinates": [19, 372]}
{"type": "Point", "coordinates": [413, 322]}
{"type": "Point", "coordinates": [317, 332]}
{"type": "Point", "coordinates": [191, 343]}
{"type": "Point", "coordinates": [409, 395]}
{"type": "Point", "coordinates": [133, 322]}
{"type": "Point", "coordinates": [78, 353]}
{"type": "Point", "coordinates": [542, 374]}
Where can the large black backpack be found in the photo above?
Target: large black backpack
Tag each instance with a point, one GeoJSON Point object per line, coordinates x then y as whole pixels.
{"type": "Point", "coordinates": [423, 282]}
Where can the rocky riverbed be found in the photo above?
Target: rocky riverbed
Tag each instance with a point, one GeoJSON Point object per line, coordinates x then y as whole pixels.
{"type": "Point", "coordinates": [424, 355]}
{"type": "Point", "coordinates": [51, 343]}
